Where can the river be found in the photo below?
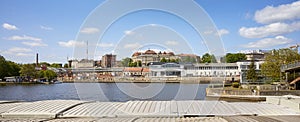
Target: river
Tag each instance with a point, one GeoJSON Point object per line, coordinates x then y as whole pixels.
{"type": "Point", "coordinates": [118, 92]}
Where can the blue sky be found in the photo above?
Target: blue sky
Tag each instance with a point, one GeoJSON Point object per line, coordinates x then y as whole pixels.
{"type": "Point", "coordinates": [51, 27]}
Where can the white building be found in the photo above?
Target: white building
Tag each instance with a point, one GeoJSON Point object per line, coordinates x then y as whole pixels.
{"type": "Point", "coordinates": [84, 63]}
{"type": "Point", "coordinates": [212, 70]}
{"type": "Point", "coordinates": [158, 69]}
{"type": "Point", "coordinates": [194, 70]}
{"type": "Point", "coordinates": [243, 67]}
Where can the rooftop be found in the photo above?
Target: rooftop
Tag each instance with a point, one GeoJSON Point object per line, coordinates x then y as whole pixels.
{"type": "Point", "coordinates": [145, 110]}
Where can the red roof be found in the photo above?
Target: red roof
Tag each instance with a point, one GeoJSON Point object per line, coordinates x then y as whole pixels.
{"type": "Point", "coordinates": [146, 70]}
{"type": "Point", "coordinates": [136, 69]}
{"type": "Point", "coordinates": [136, 54]}
{"type": "Point", "coordinates": [150, 52]}
{"type": "Point", "coordinates": [133, 69]}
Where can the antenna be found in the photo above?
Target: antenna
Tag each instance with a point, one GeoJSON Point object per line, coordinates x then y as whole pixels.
{"type": "Point", "coordinates": [87, 50]}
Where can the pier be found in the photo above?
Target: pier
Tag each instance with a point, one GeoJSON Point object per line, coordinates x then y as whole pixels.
{"type": "Point", "coordinates": [138, 111]}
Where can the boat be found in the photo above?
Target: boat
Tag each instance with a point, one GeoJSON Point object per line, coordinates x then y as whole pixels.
{"type": "Point", "coordinates": [56, 82]}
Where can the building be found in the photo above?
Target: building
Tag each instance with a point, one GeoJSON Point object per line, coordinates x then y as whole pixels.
{"type": "Point", "coordinates": [108, 61]}
{"type": "Point", "coordinates": [189, 58]}
{"type": "Point", "coordinates": [84, 63]}
{"type": "Point", "coordinates": [212, 70]}
{"type": "Point", "coordinates": [151, 56]}
{"type": "Point", "coordinates": [135, 72]}
{"type": "Point", "coordinates": [159, 69]}
{"type": "Point", "coordinates": [243, 67]}
{"type": "Point", "coordinates": [255, 54]}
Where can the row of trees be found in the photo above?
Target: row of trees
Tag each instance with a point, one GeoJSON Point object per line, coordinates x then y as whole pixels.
{"type": "Point", "coordinates": [55, 65]}
{"type": "Point", "coordinates": [9, 68]}
{"type": "Point", "coordinates": [275, 59]}
{"type": "Point", "coordinates": [270, 69]}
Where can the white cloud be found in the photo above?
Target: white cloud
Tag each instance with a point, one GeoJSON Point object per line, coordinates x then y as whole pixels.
{"type": "Point", "coordinates": [280, 13]}
{"type": "Point", "coordinates": [248, 15]}
{"type": "Point", "coordinates": [89, 30]}
{"type": "Point", "coordinates": [153, 25]}
{"type": "Point", "coordinates": [24, 54]}
{"type": "Point", "coordinates": [219, 32]}
{"type": "Point", "coordinates": [9, 26]}
{"type": "Point", "coordinates": [46, 28]}
{"type": "Point", "coordinates": [128, 32]}
{"type": "Point", "coordinates": [269, 30]}
{"type": "Point", "coordinates": [35, 44]}
{"type": "Point", "coordinates": [208, 32]}
{"type": "Point", "coordinates": [222, 32]}
{"type": "Point", "coordinates": [132, 45]}
{"type": "Point", "coordinates": [171, 43]}
{"type": "Point", "coordinates": [18, 51]}
{"type": "Point", "coordinates": [268, 42]}
{"type": "Point", "coordinates": [71, 43]}
{"type": "Point", "coordinates": [24, 37]}
{"type": "Point", "coordinates": [105, 45]}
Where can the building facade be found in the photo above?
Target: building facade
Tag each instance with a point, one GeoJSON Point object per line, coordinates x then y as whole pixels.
{"type": "Point", "coordinates": [165, 70]}
{"type": "Point", "coordinates": [212, 70]}
{"type": "Point", "coordinates": [243, 67]}
{"type": "Point", "coordinates": [151, 56]}
{"type": "Point", "coordinates": [108, 61]}
{"type": "Point", "coordinates": [84, 63]}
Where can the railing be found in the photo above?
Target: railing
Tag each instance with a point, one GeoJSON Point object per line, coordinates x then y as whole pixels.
{"type": "Point", "coordinates": [290, 66]}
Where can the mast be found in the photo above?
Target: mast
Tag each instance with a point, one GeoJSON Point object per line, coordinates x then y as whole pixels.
{"type": "Point", "coordinates": [87, 50]}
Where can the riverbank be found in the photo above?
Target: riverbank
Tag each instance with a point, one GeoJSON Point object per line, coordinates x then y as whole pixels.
{"type": "Point", "coordinates": [191, 80]}
{"type": "Point", "coordinates": [20, 83]}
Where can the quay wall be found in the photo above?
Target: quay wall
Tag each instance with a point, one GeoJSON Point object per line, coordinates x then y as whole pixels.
{"type": "Point", "coordinates": [232, 91]}
{"type": "Point", "coordinates": [156, 79]}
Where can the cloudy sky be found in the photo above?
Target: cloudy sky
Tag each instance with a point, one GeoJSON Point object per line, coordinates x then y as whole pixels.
{"type": "Point", "coordinates": [51, 28]}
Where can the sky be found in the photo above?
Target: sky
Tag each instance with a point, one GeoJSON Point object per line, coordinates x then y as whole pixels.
{"type": "Point", "coordinates": [60, 29]}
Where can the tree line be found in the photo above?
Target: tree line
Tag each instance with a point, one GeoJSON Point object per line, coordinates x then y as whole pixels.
{"type": "Point", "coordinates": [9, 68]}
{"type": "Point", "coordinates": [206, 58]}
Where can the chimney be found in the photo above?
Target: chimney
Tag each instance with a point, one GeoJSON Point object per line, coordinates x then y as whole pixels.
{"type": "Point", "coordinates": [37, 60]}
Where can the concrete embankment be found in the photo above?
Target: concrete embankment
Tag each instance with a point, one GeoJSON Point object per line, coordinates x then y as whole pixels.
{"type": "Point", "coordinates": [196, 80]}
{"type": "Point", "coordinates": [241, 95]}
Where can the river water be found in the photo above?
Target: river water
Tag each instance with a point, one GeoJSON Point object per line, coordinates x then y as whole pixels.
{"type": "Point", "coordinates": [119, 92]}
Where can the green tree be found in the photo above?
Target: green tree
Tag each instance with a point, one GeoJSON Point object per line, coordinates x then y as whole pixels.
{"type": "Point", "coordinates": [48, 74]}
{"type": "Point", "coordinates": [251, 73]}
{"type": "Point", "coordinates": [274, 59]}
{"type": "Point", "coordinates": [139, 63]}
{"type": "Point", "coordinates": [126, 62]}
{"type": "Point", "coordinates": [28, 70]}
{"type": "Point", "coordinates": [66, 65]}
{"type": "Point", "coordinates": [13, 69]}
{"type": "Point", "coordinates": [56, 65]}
{"type": "Point", "coordinates": [174, 60]}
{"type": "Point", "coordinates": [3, 67]}
{"type": "Point", "coordinates": [163, 60]}
{"type": "Point", "coordinates": [233, 58]}
{"type": "Point", "coordinates": [8, 68]}
{"type": "Point", "coordinates": [133, 64]}
{"type": "Point", "coordinates": [207, 58]}
{"type": "Point", "coordinates": [45, 63]}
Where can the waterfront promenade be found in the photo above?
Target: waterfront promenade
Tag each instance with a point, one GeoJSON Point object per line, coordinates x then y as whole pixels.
{"type": "Point", "coordinates": [191, 110]}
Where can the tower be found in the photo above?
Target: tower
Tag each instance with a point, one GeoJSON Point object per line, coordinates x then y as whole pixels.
{"type": "Point", "coordinates": [37, 60]}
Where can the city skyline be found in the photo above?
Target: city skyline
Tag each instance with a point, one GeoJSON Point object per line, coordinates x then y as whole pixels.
{"type": "Point", "coordinates": [50, 28]}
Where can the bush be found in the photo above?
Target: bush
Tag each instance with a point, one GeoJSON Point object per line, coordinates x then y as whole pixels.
{"type": "Point", "coordinates": [235, 85]}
